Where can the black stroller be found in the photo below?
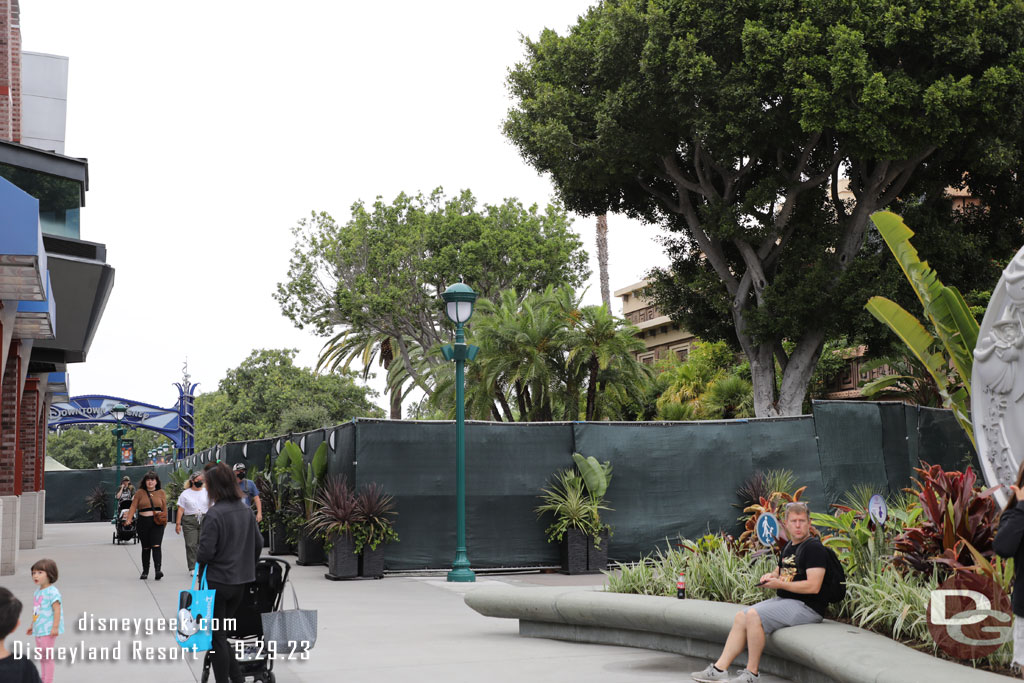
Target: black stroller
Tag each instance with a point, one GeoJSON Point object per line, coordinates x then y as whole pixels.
{"type": "Point", "coordinates": [124, 530]}
{"type": "Point", "coordinates": [261, 596]}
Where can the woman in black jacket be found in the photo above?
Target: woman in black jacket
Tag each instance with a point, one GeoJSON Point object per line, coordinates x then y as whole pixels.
{"type": "Point", "coordinates": [229, 546]}
{"type": "Point", "coordinates": [1009, 542]}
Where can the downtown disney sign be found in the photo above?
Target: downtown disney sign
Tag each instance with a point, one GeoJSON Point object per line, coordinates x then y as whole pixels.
{"type": "Point", "coordinates": [177, 423]}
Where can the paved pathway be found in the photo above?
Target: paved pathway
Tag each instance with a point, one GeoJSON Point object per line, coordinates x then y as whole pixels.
{"type": "Point", "coordinates": [401, 628]}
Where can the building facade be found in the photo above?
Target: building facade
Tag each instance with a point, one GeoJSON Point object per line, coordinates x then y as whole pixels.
{"type": "Point", "coordinates": [660, 335]}
{"type": "Point", "coordinates": [53, 285]}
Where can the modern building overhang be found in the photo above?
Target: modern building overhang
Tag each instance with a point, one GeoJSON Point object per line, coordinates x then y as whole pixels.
{"type": "Point", "coordinates": [22, 253]}
{"type": "Point", "coordinates": [49, 163]}
{"type": "Point", "coordinates": [81, 287]}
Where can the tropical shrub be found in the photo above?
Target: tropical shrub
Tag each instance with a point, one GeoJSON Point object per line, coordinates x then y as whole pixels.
{"type": "Point", "coordinates": [373, 518]}
{"type": "Point", "coordinates": [774, 503]}
{"type": "Point", "coordinates": [98, 501]}
{"type": "Point", "coordinates": [713, 567]}
{"type": "Point", "coordinates": [336, 511]}
{"type": "Point", "coordinates": [567, 500]}
{"type": "Point", "coordinates": [761, 484]}
{"type": "Point", "coordinates": [954, 513]}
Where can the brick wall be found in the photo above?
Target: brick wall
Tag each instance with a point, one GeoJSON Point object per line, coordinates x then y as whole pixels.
{"type": "Point", "coordinates": [41, 445]}
{"type": "Point", "coordinates": [15, 72]}
{"type": "Point", "coordinates": [10, 71]}
{"type": "Point", "coordinates": [28, 423]}
{"type": "Point", "coordinates": [10, 462]}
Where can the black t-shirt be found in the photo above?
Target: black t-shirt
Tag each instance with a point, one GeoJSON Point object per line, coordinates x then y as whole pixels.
{"type": "Point", "coordinates": [797, 559]}
{"type": "Point", "coordinates": [21, 670]}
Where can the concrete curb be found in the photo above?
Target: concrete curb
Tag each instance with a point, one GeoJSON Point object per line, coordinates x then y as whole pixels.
{"type": "Point", "coordinates": [821, 652]}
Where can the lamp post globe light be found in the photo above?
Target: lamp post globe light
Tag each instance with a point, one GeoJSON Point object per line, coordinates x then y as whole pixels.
{"type": "Point", "coordinates": [118, 412]}
{"type": "Point", "coordinates": [458, 306]}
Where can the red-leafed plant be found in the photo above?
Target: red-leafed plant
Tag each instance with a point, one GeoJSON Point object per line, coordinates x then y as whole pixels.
{"type": "Point", "coordinates": [955, 513]}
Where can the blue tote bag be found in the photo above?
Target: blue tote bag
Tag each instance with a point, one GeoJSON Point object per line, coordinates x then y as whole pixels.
{"type": "Point", "coordinates": [195, 612]}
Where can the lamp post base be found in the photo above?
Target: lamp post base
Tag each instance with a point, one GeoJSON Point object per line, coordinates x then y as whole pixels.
{"type": "Point", "coordinates": [461, 573]}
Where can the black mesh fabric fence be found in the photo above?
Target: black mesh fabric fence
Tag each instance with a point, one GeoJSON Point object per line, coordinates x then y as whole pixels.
{"type": "Point", "coordinates": [66, 490]}
{"type": "Point", "coordinates": [506, 466]}
{"type": "Point", "coordinates": [669, 479]}
{"type": "Point", "coordinates": [672, 479]}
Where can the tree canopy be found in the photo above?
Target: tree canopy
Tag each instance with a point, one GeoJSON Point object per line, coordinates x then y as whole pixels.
{"type": "Point", "coordinates": [732, 124]}
{"type": "Point", "coordinates": [268, 394]}
{"type": "Point", "coordinates": [380, 274]}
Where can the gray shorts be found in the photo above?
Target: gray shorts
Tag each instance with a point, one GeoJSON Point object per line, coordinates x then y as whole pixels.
{"type": "Point", "coordinates": [778, 613]}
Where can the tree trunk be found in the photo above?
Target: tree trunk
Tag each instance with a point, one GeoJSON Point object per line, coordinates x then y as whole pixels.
{"type": "Point", "coordinates": [602, 259]}
{"type": "Point", "coordinates": [789, 400]}
{"type": "Point", "coordinates": [396, 404]}
{"type": "Point", "coordinates": [594, 367]}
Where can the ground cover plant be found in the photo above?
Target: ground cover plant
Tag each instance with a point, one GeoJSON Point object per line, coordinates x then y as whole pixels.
{"type": "Point", "coordinates": [890, 570]}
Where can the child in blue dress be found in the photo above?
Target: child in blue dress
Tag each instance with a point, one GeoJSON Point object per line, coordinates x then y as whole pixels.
{"type": "Point", "coordinates": [47, 614]}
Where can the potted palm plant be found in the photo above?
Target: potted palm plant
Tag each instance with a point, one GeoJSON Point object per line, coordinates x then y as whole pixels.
{"type": "Point", "coordinates": [567, 501]}
{"type": "Point", "coordinates": [333, 521]}
{"type": "Point", "coordinates": [575, 499]}
{"type": "Point", "coordinates": [98, 502]}
{"type": "Point", "coordinates": [596, 478]}
{"type": "Point", "coordinates": [307, 480]}
{"type": "Point", "coordinates": [373, 528]}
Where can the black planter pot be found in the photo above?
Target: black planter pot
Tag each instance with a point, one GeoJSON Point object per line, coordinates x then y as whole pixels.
{"type": "Point", "coordinates": [266, 538]}
{"type": "Point", "coordinates": [574, 552]}
{"type": "Point", "coordinates": [371, 563]}
{"type": "Point", "coordinates": [597, 555]}
{"type": "Point", "coordinates": [279, 540]}
{"type": "Point", "coordinates": [342, 561]}
{"type": "Point", "coordinates": [311, 550]}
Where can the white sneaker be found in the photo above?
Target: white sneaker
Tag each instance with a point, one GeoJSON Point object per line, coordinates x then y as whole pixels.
{"type": "Point", "coordinates": [744, 677]}
{"type": "Point", "coordinates": [710, 675]}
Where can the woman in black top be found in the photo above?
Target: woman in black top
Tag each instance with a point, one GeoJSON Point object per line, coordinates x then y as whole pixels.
{"type": "Point", "coordinates": [229, 545]}
{"type": "Point", "coordinates": [1009, 542]}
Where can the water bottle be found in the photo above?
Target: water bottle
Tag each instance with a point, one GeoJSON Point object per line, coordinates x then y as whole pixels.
{"type": "Point", "coordinates": [681, 587]}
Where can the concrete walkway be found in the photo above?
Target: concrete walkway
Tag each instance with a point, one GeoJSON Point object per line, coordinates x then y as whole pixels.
{"type": "Point", "coordinates": [401, 628]}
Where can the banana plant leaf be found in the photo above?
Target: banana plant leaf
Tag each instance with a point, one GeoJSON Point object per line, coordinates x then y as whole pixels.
{"type": "Point", "coordinates": [955, 327]}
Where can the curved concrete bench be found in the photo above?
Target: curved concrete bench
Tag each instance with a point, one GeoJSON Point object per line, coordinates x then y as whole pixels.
{"type": "Point", "coordinates": [825, 652]}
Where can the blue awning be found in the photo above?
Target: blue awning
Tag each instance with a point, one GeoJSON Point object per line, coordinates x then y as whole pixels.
{"type": "Point", "coordinates": [37, 319]}
{"type": "Point", "coordinates": [22, 255]}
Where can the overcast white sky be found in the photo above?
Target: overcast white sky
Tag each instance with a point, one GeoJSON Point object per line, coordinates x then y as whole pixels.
{"type": "Point", "coordinates": [211, 128]}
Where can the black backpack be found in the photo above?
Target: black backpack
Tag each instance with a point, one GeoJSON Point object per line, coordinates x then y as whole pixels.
{"type": "Point", "coordinates": [833, 588]}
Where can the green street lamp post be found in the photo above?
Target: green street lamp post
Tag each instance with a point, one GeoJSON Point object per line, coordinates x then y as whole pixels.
{"type": "Point", "coordinates": [118, 412]}
{"type": "Point", "coordinates": [458, 306]}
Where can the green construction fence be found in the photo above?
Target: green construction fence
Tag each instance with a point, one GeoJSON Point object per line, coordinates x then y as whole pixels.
{"type": "Point", "coordinates": [669, 479]}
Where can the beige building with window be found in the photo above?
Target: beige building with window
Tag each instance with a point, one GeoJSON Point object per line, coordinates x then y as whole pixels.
{"type": "Point", "coordinates": [658, 332]}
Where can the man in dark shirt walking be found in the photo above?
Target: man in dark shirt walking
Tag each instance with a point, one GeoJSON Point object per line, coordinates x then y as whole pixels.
{"type": "Point", "coordinates": [798, 582]}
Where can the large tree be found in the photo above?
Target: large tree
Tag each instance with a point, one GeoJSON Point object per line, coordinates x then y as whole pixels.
{"type": "Point", "coordinates": [380, 274]}
{"type": "Point", "coordinates": [732, 124]}
{"type": "Point", "coordinates": [268, 395]}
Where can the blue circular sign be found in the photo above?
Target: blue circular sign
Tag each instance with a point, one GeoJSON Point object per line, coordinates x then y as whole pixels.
{"type": "Point", "coordinates": [878, 510]}
{"type": "Point", "coordinates": [767, 529]}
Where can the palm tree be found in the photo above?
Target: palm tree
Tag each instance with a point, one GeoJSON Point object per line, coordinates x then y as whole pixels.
{"type": "Point", "coordinates": [349, 345]}
{"type": "Point", "coordinates": [728, 398]}
{"type": "Point", "coordinates": [601, 342]}
{"type": "Point", "coordinates": [602, 259]}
